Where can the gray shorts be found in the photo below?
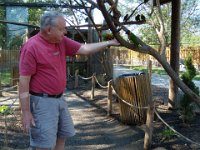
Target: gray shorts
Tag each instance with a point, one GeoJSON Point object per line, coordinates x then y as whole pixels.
{"type": "Point", "coordinates": [52, 119]}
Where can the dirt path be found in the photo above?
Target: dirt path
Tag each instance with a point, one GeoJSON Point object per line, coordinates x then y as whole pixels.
{"type": "Point", "coordinates": [97, 131]}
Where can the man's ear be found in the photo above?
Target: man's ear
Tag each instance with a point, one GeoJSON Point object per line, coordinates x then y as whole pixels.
{"type": "Point", "coordinates": [48, 30]}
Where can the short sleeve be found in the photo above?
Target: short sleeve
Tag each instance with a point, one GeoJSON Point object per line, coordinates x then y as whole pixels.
{"type": "Point", "coordinates": [27, 63]}
{"type": "Point", "coordinates": [71, 46]}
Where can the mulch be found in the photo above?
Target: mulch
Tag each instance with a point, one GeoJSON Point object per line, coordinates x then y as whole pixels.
{"type": "Point", "coordinates": [162, 137]}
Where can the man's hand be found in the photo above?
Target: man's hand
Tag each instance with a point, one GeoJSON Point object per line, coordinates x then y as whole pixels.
{"type": "Point", "coordinates": [92, 48]}
{"type": "Point", "coordinates": [113, 42]}
{"type": "Point", "coordinates": [27, 121]}
{"type": "Point", "coordinates": [27, 118]}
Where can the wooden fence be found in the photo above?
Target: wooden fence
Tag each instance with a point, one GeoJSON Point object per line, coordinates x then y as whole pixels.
{"type": "Point", "coordinates": [9, 61]}
{"type": "Point", "coordinates": [9, 58]}
{"type": "Point", "coordinates": [123, 55]}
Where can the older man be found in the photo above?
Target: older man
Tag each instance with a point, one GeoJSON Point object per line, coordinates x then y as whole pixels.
{"type": "Point", "coordinates": [43, 80]}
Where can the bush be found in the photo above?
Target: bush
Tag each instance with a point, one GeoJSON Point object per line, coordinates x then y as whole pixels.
{"type": "Point", "coordinates": [5, 110]}
{"type": "Point", "coordinates": [186, 108]}
{"type": "Point", "coordinates": [167, 134]}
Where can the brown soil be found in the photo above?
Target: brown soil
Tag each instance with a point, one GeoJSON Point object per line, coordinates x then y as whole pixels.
{"type": "Point", "coordinates": [162, 138]}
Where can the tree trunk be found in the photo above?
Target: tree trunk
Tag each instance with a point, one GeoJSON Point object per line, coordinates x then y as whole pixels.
{"type": "Point", "coordinates": [174, 51]}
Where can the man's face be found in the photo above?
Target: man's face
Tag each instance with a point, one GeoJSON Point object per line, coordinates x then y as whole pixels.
{"type": "Point", "coordinates": [58, 31]}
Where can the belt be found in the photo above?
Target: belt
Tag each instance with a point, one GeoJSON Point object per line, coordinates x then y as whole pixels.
{"type": "Point", "coordinates": [45, 95]}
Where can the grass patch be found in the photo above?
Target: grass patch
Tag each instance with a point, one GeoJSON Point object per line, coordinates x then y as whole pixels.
{"type": "Point", "coordinates": [5, 78]}
{"type": "Point", "coordinates": [157, 70]}
{"type": "Point", "coordinates": [197, 77]}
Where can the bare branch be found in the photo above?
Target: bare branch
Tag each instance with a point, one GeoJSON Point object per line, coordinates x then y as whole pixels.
{"type": "Point", "coordinates": [83, 37]}
{"type": "Point", "coordinates": [91, 18]}
{"type": "Point", "coordinates": [73, 13]}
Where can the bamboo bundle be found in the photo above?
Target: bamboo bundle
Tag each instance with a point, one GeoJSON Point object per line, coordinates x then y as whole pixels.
{"type": "Point", "coordinates": [136, 90]}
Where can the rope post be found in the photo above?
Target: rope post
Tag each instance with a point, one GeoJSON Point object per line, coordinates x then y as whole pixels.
{"type": "Point", "coordinates": [76, 79]}
{"type": "Point", "coordinates": [109, 98]}
{"type": "Point", "coordinates": [93, 86]}
{"type": "Point", "coordinates": [149, 68]}
{"type": "Point", "coordinates": [149, 126]}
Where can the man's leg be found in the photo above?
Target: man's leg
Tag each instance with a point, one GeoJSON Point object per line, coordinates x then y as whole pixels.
{"type": "Point", "coordinates": [60, 144]}
{"type": "Point", "coordinates": [45, 111]}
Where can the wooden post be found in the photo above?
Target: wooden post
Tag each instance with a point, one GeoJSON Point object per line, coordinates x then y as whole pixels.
{"type": "Point", "coordinates": [15, 75]}
{"type": "Point", "coordinates": [149, 68]}
{"type": "Point", "coordinates": [76, 79]}
{"type": "Point", "coordinates": [93, 86]}
{"type": "Point", "coordinates": [149, 126]}
{"type": "Point", "coordinates": [109, 98]}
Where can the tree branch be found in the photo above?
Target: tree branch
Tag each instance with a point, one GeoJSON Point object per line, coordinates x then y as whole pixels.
{"type": "Point", "coordinates": [148, 50]}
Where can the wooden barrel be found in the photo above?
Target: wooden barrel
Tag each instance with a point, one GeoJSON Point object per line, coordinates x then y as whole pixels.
{"type": "Point", "coordinates": [136, 90]}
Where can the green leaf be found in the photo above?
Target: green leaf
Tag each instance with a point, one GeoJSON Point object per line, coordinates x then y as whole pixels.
{"type": "Point", "coordinates": [5, 110]}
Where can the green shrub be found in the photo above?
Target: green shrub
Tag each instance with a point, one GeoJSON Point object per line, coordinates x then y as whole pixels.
{"type": "Point", "coordinates": [5, 110]}
{"type": "Point", "coordinates": [167, 134]}
{"type": "Point", "coordinates": [186, 108]}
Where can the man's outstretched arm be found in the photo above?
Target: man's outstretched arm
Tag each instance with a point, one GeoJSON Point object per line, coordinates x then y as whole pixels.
{"type": "Point", "coordinates": [95, 47]}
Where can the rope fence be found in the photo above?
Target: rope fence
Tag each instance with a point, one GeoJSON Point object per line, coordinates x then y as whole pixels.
{"type": "Point", "coordinates": [84, 77]}
{"type": "Point", "coordinates": [111, 90]}
{"type": "Point", "coordinates": [13, 98]}
{"type": "Point", "coordinates": [8, 113]}
{"type": "Point", "coordinates": [104, 87]}
{"type": "Point", "coordinates": [176, 132]}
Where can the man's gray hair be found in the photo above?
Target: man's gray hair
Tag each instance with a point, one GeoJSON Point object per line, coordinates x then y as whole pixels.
{"type": "Point", "coordinates": [49, 19]}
